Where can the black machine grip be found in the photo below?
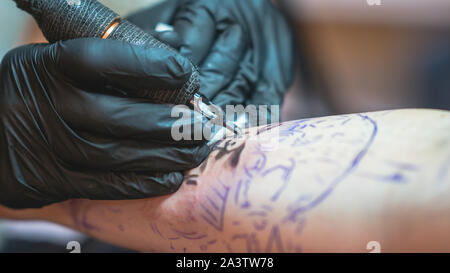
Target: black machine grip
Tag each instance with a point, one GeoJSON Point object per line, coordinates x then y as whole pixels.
{"type": "Point", "coordinates": [62, 20]}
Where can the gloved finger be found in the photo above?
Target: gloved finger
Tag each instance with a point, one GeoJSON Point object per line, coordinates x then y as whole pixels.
{"type": "Point", "coordinates": [268, 96]}
{"type": "Point", "coordinates": [97, 64]}
{"type": "Point", "coordinates": [86, 151]}
{"type": "Point", "coordinates": [277, 59]}
{"type": "Point", "coordinates": [122, 117]}
{"type": "Point", "coordinates": [238, 91]}
{"type": "Point", "coordinates": [121, 185]}
{"type": "Point", "coordinates": [171, 38]}
{"type": "Point", "coordinates": [195, 23]}
{"type": "Point", "coordinates": [222, 63]}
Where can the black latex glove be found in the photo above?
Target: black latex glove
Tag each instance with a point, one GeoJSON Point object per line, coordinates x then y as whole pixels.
{"type": "Point", "coordinates": [72, 125]}
{"type": "Point", "coordinates": [244, 48]}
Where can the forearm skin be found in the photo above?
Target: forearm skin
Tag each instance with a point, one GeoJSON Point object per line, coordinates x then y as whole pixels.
{"type": "Point", "coordinates": [329, 185]}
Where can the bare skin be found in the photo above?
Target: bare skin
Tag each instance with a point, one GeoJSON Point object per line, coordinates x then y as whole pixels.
{"type": "Point", "coordinates": [329, 184]}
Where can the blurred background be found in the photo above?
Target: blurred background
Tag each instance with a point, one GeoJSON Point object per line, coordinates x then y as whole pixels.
{"type": "Point", "coordinates": [354, 57]}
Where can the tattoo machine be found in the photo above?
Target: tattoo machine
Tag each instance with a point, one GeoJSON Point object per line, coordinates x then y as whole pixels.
{"type": "Point", "coordinates": [71, 19]}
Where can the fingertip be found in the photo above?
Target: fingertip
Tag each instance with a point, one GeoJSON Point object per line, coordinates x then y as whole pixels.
{"type": "Point", "coordinates": [179, 67]}
{"type": "Point", "coordinates": [171, 38]}
{"type": "Point", "coordinates": [133, 185]}
{"type": "Point", "coordinates": [187, 157]}
{"type": "Point", "coordinates": [166, 68]}
{"type": "Point", "coordinates": [172, 181]}
{"type": "Point", "coordinates": [201, 155]}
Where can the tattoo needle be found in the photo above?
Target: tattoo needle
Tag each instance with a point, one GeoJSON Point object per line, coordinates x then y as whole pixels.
{"type": "Point", "coordinates": [199, 102]}
{"type": "Point", "coordinates": [203, 106]}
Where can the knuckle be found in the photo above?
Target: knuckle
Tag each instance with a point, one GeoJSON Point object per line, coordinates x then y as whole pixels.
{"type": "Point", "coordinates": [11, 78]}
{"type": "Point", "coordinates": [11, 61]}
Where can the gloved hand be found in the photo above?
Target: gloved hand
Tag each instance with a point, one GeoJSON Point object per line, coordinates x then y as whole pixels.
{"type": "Point", "coordinates": [245, 49]}
{"type": "Point", "coordinates": [72, 124]}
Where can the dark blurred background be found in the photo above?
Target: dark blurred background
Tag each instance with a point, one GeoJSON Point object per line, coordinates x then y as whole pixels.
{"type": "Point", "coordinates": [353, 58]}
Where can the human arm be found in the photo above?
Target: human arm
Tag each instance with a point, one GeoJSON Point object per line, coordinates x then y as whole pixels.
{"type": "Point", "coordinates": [329, 184]}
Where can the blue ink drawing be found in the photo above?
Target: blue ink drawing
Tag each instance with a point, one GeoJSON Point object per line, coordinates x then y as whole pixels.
{"type": "Point", "coordinates": [213, 210]}
{"type": "Point", "coordinates": [295, 210]}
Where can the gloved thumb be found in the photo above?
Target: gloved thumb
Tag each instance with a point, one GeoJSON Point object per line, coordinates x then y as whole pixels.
{"type": "Point", "coordinates": [109, 64]}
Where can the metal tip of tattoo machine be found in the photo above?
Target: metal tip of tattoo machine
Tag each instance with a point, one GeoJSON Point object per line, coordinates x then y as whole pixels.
{"type": "Point", "coordinates": [233, 128]}
{"type": "Point", "coordinates": [204, 105]}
